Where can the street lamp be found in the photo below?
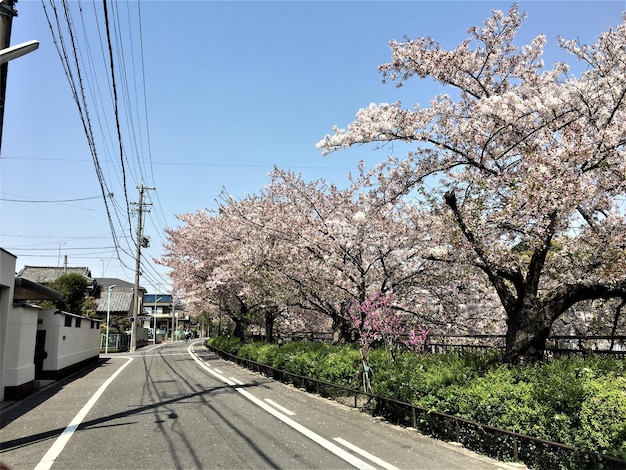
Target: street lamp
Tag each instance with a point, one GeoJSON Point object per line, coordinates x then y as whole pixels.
{"type": "Point", "coordinates": [14, 52]}
{"type": "Point", "coordinates": [106, 345]}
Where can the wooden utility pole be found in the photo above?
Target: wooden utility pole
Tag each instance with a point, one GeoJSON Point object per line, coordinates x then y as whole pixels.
{"type": "Point", "coordinates": [141, 243]}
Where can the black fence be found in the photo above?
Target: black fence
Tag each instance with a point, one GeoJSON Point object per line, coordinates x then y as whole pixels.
{"type": "Point", "coordinates": [557, 345]}
{"type": "Point", "coordinates": [497, 443]}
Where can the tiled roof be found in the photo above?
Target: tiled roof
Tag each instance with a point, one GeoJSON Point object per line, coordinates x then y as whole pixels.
{"type": "Point", "coordinates": [121, 302]}
{"type": "Point", "coordinates": [105, 282]}
{"type": "Point", "coordinates": [49, 274]}
{"type": "Point", "coordinates": [121, 295]}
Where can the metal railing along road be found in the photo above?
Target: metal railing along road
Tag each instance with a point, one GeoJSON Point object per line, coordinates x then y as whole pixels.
{"type": "Point", "coordinates": [498, 443]}
{"type": "Point", "coordinates": [117, 342]}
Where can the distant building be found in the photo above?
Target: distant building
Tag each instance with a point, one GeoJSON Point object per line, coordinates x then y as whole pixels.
{"type": "Point", "coordinates": [122, 295]}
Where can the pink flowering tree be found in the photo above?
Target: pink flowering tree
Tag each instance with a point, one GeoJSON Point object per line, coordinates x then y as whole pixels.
{"type": "Point", "coordinates": [376, 322]}
{"type": "Point", "coordinates": [335, 245]}
{"type": "Point", "coordinates": [525, 166]}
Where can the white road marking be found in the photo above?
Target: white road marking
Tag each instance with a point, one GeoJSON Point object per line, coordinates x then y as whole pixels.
{"type": "Point", "coordinates": [281, 408]}
{"type": "Point", "coordinates": [218, 371]}
{"type": "Point", "coordinates": [328, 445]}
{"type": "Point", "coordinates": [365, 454]}
{"type": "Point", "coordinates": [48, 460]}
{"type": "Point", "coordinates": [238, 382]}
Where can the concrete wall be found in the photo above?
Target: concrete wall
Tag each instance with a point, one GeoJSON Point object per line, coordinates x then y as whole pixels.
{"type": "Point", "coordinates": [7, 284]}
{"type": "Point", "coordinates": [68, 348]}
{"type": "Point", "coordinates": [19, 372]}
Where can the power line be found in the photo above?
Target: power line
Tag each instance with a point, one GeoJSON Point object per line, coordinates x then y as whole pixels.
{"type": "Point", "coordinates": [55, 201]}
{"type": "Point", "coordinates": [83, 73]}
{"type": "Point", "coordinates": [206, 164]}
{"type": "Point", "coordinates": [75, 85]}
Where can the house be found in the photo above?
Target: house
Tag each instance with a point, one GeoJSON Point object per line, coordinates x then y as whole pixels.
{"type": "Point", "coordinates": [161, 315]}
{"type": "Point", "coordinates": [117, 302]}
{"type": "Point", "coordinates": [36, 343]}
{"type": "Point", "coordinates": [116, 297]}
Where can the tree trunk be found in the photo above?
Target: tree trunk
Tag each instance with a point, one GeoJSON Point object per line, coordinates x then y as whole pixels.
{"type": "Point", "coordinates": [270, 316]}
{"type": "Point", "coordinates": [341, 330]}
{"type": "Point", "coordinates": [527, 331]}
{"type": "Point", "coordinates": [240, 329]}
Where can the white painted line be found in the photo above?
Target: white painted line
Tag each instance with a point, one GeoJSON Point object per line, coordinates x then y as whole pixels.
{"type": "Point", "coordinates": [328, 445]}
{"type": "Point", "coordinates": [364, 453]}
{"type": "Point", "coordinates": [281, 408]}
{"type": "Point", "coordinates": [219, 371]}
{"type": "Point", "coordinates": [157, 355]}
{"type": "Point", "coordinates": [48, 460]}
{"type": "Point", "coordinates": [237, 381]}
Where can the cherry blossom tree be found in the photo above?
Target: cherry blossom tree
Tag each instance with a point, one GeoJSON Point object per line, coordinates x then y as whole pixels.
{"type": "Point", "coordinates": [300, 252]}
{"type": "Point", "coordinates": [530, 164]}
{"type": "Point", "coordinates": [376, 321]}
{"type": "Point", "coordinates": [341, 245]}
{"type": "Point", "coordinates": [212, 264]}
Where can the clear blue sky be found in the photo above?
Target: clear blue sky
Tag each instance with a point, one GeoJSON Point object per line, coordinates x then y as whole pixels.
{"type": "Point", "coordinates": [211, 95]}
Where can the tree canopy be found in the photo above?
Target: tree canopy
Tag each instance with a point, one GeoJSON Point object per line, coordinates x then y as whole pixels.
{"type": "Point", "coordinates": [531, 165]}
{"type": "Point", "coordinates": [507, 211]}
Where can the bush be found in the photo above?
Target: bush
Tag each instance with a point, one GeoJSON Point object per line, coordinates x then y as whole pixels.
{"type": "Point", "coordinates": [602, 426]}
{"type": "Point", "coordinates": [578, 402]}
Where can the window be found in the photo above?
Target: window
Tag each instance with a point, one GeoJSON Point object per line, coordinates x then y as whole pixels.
{"type": "Point", "coordinates": [77, 325]}
{"type": "Point", "coordinates": [68, 320]}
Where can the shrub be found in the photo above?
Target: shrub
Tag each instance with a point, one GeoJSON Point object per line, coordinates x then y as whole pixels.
{"type": "Point", "coordinates": [603, 416]}
{"type": "Point", "coordinates": [578, 402]}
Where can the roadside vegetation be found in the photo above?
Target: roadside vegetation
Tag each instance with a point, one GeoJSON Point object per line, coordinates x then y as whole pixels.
{"type": "Point", "coordinates": [580, 402]}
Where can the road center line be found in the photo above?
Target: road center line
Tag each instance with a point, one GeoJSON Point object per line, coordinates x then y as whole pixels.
{"type": "Point", "coordinates": [48, 460]}
{"type": "Point", "coordinates": [328, 445]}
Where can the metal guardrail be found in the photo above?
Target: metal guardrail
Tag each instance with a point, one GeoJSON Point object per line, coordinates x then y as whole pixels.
{"type": "Point", "coordinates": [118, 342]}
{"type": "Point", "coordinates": [555, 344]}
{"type": "Point", "coordinates": [495, 442]}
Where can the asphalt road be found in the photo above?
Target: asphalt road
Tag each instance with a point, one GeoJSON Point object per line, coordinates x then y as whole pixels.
{"type": "Point", "coordinates": [178, 406]}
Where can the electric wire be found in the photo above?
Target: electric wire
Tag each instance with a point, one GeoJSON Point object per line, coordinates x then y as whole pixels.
{"type": "Point", "coordinates": [115, 104]}
{"type": "Point", "coordinates": [85, 83]}
{"type": "Point", "coordinates": [75, 84]}
{"type": "Point", "coordinates": [42, 201]}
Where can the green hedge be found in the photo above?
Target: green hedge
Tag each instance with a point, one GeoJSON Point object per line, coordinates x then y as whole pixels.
{"type": "Point", "coordinates": [578, 402]}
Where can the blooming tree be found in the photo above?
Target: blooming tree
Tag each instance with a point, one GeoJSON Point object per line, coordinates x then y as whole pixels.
{"type": "Point", "coordinates": [376, 321]}
{"type": "Point", "coordinates": [214, 262]}
{"type": "Point", "coordinates": [531, 166]}
{"type": "Point", "coordinates": [339, 245]}
{"type": "Point", "coordinates": [300, 252]}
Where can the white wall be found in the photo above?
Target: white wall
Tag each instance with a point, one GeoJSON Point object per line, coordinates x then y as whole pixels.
{"type": "Point", "coordinates": [68, 345]}
{"type": "Point", "coordinates": [7, 284]}
{"type": "Point", "coordinates": [20, 352]}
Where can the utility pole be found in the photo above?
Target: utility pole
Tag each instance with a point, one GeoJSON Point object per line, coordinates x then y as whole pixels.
{"type": "Point", "coordinates": [7, 12]}
{"type": "Point", "coordinates": [141, 243]}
